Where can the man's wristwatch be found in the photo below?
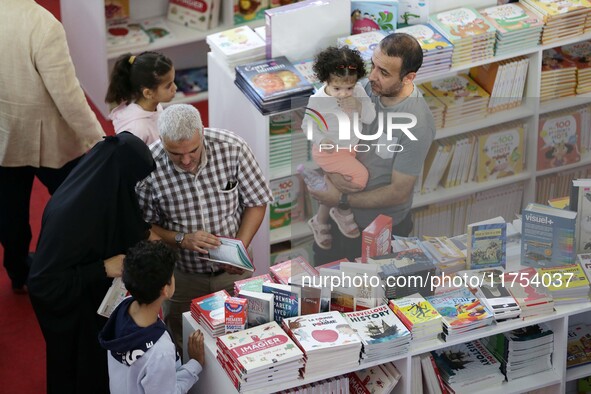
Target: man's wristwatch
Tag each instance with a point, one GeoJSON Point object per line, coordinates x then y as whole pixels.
{"type": "Point", "coordinates": [344, 202]}
{"type": "Point", "coordinates": [178, 238]}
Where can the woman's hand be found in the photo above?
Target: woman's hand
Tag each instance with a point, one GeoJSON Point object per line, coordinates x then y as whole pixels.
{"type": "Point", "coordinates": [114, 266]}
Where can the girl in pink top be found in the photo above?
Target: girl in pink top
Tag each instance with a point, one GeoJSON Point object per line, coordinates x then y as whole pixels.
{"type": "Point", "coordinates": [138, 85]}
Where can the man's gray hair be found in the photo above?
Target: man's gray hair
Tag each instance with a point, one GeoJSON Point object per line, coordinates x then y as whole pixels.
{"type": "Point", "coordinates": [180, 122]}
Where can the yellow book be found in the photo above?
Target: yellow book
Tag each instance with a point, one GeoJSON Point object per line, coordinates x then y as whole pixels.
{"type": "Point", "coordinates": [457, 90]}
{"type": "Point", "coordinates": [564, 277]}
{"type": "Point", "coordinates": [413, 310]}
{"type": "Point", "coordinates": [501, 152]}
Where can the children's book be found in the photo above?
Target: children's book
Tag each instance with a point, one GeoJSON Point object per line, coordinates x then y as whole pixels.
{"type": "Point", "coordinates": [501, 152]}
{"type": "Point", "coordinates": [564, 279]}
{"type": "Point", "coordinates": [246, 11]}
{"type": "Point", "coordinates": [461, 23]}
{"type": "Point", "coordinates": [273, 78]}
{"type": "Point", "coordinates": [377, 325]}
{"type": "Point", "coordinates": [578, 348]}
{"type": "Point", "coordinates": [254, 283]}
{"type": "Point", "coordinates": [292, 271]}
{"type": "Point", "coordinates": [258, 348]}
{"type": "Point", "coordinates": [116, 11]}
{"type": "Point", "coordinates": [260, 307]}
{"type": "Point", "coordinates": [371, 15]}
{"type": "Point", "coordinates": [194, 14]}
{"type": "Point", "coordinates": [459, 308]}
{"type": "Point", "coordinates": [239, 41]}
{"type": "Point", "coordinates": [211, 307]}
{"type": "Point", "coordinates": [511, 18]}
{"type": "Point", "coordinates": [429, 39]}
{"type": "Point", "coordinates": [487, 244]}
{"type": "Point", "coordinates": [559, 136]}
{"type": "Point", "coordinates": [414, 310]}
{"type": "Point", "coordinates": [126, 35]}
{"type": "Point", "coordinates": [231, 252]}
{"type": "Point", "coordinates": [413, 12]}
{"type": "Point", "coordinates": [547, 236]}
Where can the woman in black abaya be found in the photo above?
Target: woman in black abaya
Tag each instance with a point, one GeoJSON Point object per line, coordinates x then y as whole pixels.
{"type": "Point", "coordinates": [88, 224]}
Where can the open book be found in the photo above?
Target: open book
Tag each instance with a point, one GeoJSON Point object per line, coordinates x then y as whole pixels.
{"type": "Point", "coordinates": [231, 252]}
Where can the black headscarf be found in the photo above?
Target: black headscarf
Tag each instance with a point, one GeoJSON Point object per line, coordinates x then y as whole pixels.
{"type": "Point", "coordinates": [92, 216]}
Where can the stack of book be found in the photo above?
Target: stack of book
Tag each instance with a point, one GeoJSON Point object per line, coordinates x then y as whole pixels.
{"type": "Point", "coordinates": [383, 335]}
{"type": "Point", "coordinates": [524, 351]}
{"type": "Point", "coordinates": [419, 316]}
{"type": "Point", "coordinates": [497, 299]}
{"type": "Point", "coordinates": [432, 379]}
{"type": "Point", "coordinates": [578, 345]}
{"type": "Point", "coordinates": [208, 311]}
{"type": "Point", "coordinates": [273, 85]}
{"type": "Point", "coordinates": [399, 267]}
{"type": "Point", "coordinates": [468, 367]}
{"type": "Point", "coordinates": [437, 50]}
{"type": "Point", "coordinates": [436, 107]}
{"type": "Point", "coordinates": [580, 54]}
{"type": "Point", "coordinates": [365, 43]}
{"type": "Point", "coordinates": [286, 150]}
{"type": "Point", "coordinates": [327, 340]}
{"type": "Point", "coordinates": [461, 311]}
{"type": "Point", "coordinates": [261, 307]}
{"type": "Point", "coordinates": [305, 67]}
{"type": "Point", "coordinates": [254, 283]}
{"type": "Point", "coordinates": [237, 46]}
{"type": "Point", "coordinates": [380, 379]}
{"type": "Point", "coordinates": [559, 76]}
{"type": "Point", "coordinates": [472, 36]}
{"type": "Point", "coordinates": [464, 100]}
{"type": "Point", "coordinates": [562, 19]}
{"type": "Point", "coordinates": [259, 356]}
{"type": "Point", "coordinates": [446, 256]}
{"type": "Point", "coordinates": [517, 27]}
{"type": "Point", "coordinates": [504, 81]}
{"type": "Point", "coordinates": [533, 299]}
{"type": "Point", "coordinates": [566, 284]}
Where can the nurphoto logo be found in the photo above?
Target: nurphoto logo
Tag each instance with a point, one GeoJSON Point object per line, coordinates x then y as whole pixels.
{"type": "Point", "coordinates": [387, 123]}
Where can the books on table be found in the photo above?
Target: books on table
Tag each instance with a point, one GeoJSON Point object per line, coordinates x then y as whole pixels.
{"type": "Point", "coordinates": [259, 356]}
{"type": "Point", "coordinates": [208, 311]}
{"type": "Point", "coordinates": [567, 284]}
{"type": "Point", "coordinates": [261, 307]}
{"type": "Point", "coordinates": [418, 315]}
{"type": "Point", "coordinates": [231, 252]}
{"type": "Point", "coordinates": [237, 46]}
{"type": "Point", "coordinates": [381, 332]}
{"type": "Point", "coordinates": [533, 299]}
{"type": "Point", "coordinates": [254, 283]}
{"type": "Point", "coordinates": [292, 271]}
{"type": "Point", "coordinates": [327, 340]}
{"type": "Point", "coordinates": [487, 244]}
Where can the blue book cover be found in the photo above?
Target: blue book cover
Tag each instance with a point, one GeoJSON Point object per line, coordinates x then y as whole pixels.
{"type": "Point", "coordinates": [286, 301]}
{"type": "Point", "coordinates": [273, 78]}
{"type": "Point", "coordinates": [487, 245]}
{"type": "Point", "coordinates": [368, 15]}
{"type": "Point", "coordinates": [547, 236]}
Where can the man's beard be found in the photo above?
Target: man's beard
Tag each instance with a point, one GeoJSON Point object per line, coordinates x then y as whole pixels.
{"type": "Point", "coordinates": [393, 92]}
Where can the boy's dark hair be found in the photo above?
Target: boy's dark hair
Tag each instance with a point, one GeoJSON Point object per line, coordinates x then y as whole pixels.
{"type": "Point", "coordinates": [340, 62]}
{"type": "Point", "coordinates": [407, 48]}
{"type": "Point", "coordinates": [147, 268]}
{"type": "Point", "coordinates": [131, 74]}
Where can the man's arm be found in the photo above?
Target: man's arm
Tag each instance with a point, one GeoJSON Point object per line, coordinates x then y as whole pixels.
{"type": "Point", "coordinates": [397, 192]}
{"type": "Point", "coordinates": [199, 241]}
{"type": "Point", "coordinates": [252, 217]}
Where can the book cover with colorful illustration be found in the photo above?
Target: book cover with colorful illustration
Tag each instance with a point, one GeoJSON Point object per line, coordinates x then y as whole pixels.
{"type": "Point", "coordinates": [377, 325]}
{"type": "Point", "coordinates": [578, 348]}
{"type": "Point", "coordinates": [249, 10]}
{"type": "Point", "coordinates": [559, 137]}
{"type": "Point", "coordinates": [370, 15]}
{"type": "Point", "coordinates": [211, 307]}
{"type": "Point", "coordinates": [511, 17]}
{"type": "Point", "coordinates": [412, 12]}
{"type": "Point", "coordinates": [461, 23]}
{"type": "Point", "coordinates": [459, 308]}
{"type": "Point", "coordinates": [457, 90]}
{"type": "Point", "coordinates": [487, 245]}
{"type": "Point", "coordinates": [413, 310]}
{"type": "Point", "coordinates": [260, 347]}
{"type": "Point", "coordinates": [570, 276]}
{"type": "Point", "coordinates": [429, 39]}
{"type": "Point", "coordinates": [254, 283]}
{"type": "Point", "coordinates": [273, 78]}
{"type": "Point", "coordinates": [501, 153]}
{"type": "Point", "coordinates": [321, 331]}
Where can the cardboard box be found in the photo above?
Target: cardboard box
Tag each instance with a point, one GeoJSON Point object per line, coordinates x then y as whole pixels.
{"type": "Point", "coordinates": [376, 238]}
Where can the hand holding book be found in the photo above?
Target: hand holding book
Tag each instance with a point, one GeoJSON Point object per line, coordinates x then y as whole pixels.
{"type": "Point", "coordinates": [231, 252]}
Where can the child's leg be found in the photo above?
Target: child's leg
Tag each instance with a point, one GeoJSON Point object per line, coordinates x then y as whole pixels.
{"type": "Point", "coordinates": [345, 220]}
{"type": "Point", "coordinates": [320, 227]}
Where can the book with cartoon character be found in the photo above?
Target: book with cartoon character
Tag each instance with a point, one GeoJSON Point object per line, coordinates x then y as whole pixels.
{"type": "Point", "coordinates": [487, 244]}
{"type": "Point", "coordinates": [511, 17]}
{"type": "Point", "coordinates": [429, 38]}
{"type": "Point", "coordinates": [370, 15]}
{"type": "Point", "coordinates": [249, 10]}
{"type": "Point", "coordinates": [462, 23]}
{"type": "Point", "coordinates": [501, 152]}
{"type": "Point", "coordinates": [559, 136]}
{"type": "Point", "coordinates": [378, 325]}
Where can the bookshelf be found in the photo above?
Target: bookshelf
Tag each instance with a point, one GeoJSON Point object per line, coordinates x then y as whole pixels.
{"type": "Point", "coordinates": [84, 22]}
{"type": "Point", "coordinates": [228, 108]}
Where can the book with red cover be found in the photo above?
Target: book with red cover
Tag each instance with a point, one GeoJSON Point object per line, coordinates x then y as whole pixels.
{"type": "Point", "coordinates": [210, 307]}
{"type": "Point", "coordinates": [289, 271]}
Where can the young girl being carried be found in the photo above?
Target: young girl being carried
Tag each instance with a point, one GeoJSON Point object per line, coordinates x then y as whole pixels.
{"type": "Point", "coordinates": [340, 70]}
{"type": "Point", "coordinates": [137, 86]}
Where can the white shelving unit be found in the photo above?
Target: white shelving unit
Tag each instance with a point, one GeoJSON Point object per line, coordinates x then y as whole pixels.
{"type": "Point", "coordinates": [214, 378]}
{"type": "Point", "coordinates": [84, 22]}
{"type": "Point", "coordinates": [228, 108]}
